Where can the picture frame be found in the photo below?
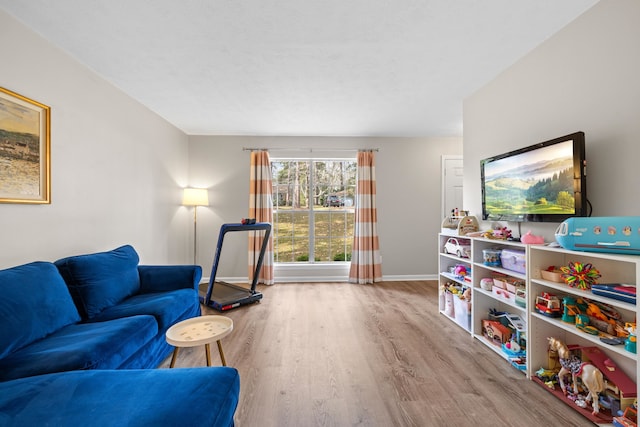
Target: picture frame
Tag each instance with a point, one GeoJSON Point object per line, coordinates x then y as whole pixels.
{"type": "Point", "coordinates": [25, 149]}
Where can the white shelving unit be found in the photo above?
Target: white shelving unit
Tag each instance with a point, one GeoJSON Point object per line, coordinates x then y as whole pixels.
{"type": "Point", "coordinates": [613, 268]}
{"type": "Point", "coordinates": [484, 300]}
{"type": "Point", "coordinates": [447, 262]}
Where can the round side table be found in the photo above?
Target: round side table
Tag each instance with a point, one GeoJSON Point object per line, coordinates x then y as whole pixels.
{"type": "Point", "coordinates": [198, 331]}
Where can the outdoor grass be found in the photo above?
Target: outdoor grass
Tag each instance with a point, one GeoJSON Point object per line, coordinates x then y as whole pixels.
{"type": "Point", "coordinates": [333, 234]}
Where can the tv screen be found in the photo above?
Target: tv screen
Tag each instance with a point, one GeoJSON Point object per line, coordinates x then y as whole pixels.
{"type": "Point", "coordinates": [543, 182]}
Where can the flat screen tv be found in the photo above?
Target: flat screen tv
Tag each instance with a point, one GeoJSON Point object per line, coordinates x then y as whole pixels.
{"type": "Point", "coordinates": [544, 182]}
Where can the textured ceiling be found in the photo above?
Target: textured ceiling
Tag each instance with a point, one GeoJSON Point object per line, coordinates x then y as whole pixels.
{"type": "Point", "coordinates": [300, 67]}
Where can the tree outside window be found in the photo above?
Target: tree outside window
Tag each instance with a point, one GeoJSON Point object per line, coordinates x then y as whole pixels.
{"type": "Point", "coordinates": [313, 214]}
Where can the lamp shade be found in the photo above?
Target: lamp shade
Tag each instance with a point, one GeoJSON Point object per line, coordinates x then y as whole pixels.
{"type": "Point", "coordinates": [195, 197]}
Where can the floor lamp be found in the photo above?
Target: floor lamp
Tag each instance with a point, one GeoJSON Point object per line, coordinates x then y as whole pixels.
{"type": "Point", "coordinates": [195, 197]}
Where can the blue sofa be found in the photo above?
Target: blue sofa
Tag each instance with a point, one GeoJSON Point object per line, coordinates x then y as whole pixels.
{"type": "Point", "coordinates": [100, 398]}
{"type": "Point", "coordinates": [77, 338]}
{"type": "Point", "coordinates": [94, 311]}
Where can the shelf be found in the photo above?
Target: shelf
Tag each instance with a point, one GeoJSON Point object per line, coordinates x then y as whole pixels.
{"type": "Point", "coordinates": [497, 350]}
{"type": "Point", "coordinates": [456, 258]}
{"type": "Point", "coordinates": [504, 301]}
{"type": "Point", "coordinates": [456, 279]}
{"type": "Point", "coordinates": [603, 417]}
{"type": "Point", "coordinates": [571, 328]}
{"type": "Point", "coordinates": [501, 270]}
{"type": "Point", "coordinates": [586, 294]}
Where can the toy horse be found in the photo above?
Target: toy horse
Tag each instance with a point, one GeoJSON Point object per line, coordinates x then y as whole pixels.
{"type": "Point", "coordinates": [590, 375]}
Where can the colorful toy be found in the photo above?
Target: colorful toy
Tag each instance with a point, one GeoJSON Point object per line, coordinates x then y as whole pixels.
{"type": "Point", "coordinates": [582, 323]}
{"type": "Point", "coordinates": [631, 343]}
{"type": "Point", "coordinates": [548, 305]}
{"type": "Point", "coordinates": [579, 275]}
{"type": "Point", "coordinates": [530, 239]}
{"type": "Point", "coordinates": [627, 419]}
{"type": "Point", "coordinates": [570, 309]}
{"type": "Point", "coordinates": [590, 376]}
{"type": "Point", "coordinates": [460, 270]}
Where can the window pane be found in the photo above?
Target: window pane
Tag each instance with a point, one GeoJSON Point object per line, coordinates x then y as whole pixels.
{"type": "Point", "coordinates": [322, 190]}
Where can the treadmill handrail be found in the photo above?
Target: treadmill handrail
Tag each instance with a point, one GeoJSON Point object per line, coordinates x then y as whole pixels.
{"type": "Point", "coordinates": [226, 228]}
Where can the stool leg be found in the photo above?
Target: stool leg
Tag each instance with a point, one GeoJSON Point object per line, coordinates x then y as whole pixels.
{"type": "Point", "coordinates": [173, 357]}
{"type": "Point", "coordinates": [224, 362]}
{"type": "Point", "coordinates": [207, 350]}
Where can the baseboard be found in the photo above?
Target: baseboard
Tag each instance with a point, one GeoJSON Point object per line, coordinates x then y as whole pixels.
{"type": "Point", "coordinates": [325, 279]}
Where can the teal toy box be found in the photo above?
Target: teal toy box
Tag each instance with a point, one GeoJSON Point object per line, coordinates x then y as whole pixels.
{"type": "Point", "coordinates": [616, 234]}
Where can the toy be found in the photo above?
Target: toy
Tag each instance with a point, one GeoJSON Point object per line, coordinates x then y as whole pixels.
{"type": "Point", "coordinates": [460, 270]}
{"type": "Point", "coordinates": [600, 234]}
{"type": "Point", "coordinates": [579, 275]}
{"type": "Point", "coordinates": [521, 297]}
{"type": "Point", "coordinates": [590, 376]}
{"type": "Point", "coordinates": [570, 309]}
{"type": "Point", "coordinates": [495, 331]}
{"type": "Point", "coordinates": [582, 323]}
{"type": "Point", "coordinates": [548, 305]}
{"type": "Point", "coordinates": [631, 343]}
{"type": "Point", "coordinates": [530, 239]}
{"type": "Point", "coordinates": [468, 224]}
{"type": "Point", "coordinates": [628, 419]}
{"type": "Point", "coordinates": [499, 234]}
{"type": "Point", "coordinates": [454, 246]}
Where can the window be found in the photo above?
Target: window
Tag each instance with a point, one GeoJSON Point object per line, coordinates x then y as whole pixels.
{"type": "Point", "coordinates": [313, 209]}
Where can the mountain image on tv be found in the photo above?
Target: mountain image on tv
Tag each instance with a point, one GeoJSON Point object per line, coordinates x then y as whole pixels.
{"type": "Point", "coordinates": [532, 183]}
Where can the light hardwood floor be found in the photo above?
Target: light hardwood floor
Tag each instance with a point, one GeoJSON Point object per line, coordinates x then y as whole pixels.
{"type": "Point", "coordinates": [338, 354]}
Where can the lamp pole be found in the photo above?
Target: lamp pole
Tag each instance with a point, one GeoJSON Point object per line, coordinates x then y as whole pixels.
{"type": "Point", "coordinates": [195, 197]}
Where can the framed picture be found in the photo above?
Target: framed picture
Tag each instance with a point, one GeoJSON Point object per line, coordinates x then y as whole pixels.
{"type": "Point", "coordinates": [25, 160]}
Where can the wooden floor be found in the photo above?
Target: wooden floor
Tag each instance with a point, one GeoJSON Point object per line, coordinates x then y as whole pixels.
{"type": "Point", "coordinates": [338, 354]}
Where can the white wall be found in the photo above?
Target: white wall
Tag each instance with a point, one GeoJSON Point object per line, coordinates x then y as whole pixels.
{"type": "Point", "coordinates": [116, 168]}
{"type": "Point", "coordinates": [408, 184]}
{"type": "Point", "coordinates": [583, 78]}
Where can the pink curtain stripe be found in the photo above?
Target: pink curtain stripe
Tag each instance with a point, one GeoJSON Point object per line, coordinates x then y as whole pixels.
{"type": "Point", "coordinates": [260, 208]}
{"type": "Point", "coordinates": [366, 266]}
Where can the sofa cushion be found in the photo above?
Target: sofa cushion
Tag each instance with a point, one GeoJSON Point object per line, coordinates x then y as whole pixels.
{"type": "Point", "coordinates": [102, 345]}
{"type": "Point", "coordinates": [100, 280]}
{"type": "Point", "coordinates": [34, 302]}
{"type": "Point", "coordinates": [168, 307]}
{"type": "Point", "coordinates": [156, 397]}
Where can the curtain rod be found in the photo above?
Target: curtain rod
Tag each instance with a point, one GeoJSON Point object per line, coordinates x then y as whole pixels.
{"type": "Point", "coordinates": [310, 150]}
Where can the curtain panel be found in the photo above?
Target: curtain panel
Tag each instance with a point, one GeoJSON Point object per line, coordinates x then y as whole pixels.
{"type": "Point", "coordinates": [260, 208]}
{"type": "Point", "coordinates": [366, 264]}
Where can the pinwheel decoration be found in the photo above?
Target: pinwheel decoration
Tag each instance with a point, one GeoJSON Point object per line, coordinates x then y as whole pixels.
{"type": "Point", "coordinates": [579, 275]}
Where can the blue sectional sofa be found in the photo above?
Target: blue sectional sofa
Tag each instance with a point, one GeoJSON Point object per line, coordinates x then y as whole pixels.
{"type": "Point", "coordinates": [151, 397]}
{"type": "Point", "coordinates": [94, 311]}
{"type": "Point", "coordinates": [89, 326]}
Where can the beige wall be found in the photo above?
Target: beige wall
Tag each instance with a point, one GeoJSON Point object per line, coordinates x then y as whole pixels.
{"type": "Point", "coordinates": [408, 184]}
{"type": "Point", "coordinates": [117, 168]}
{"type": "Point", "coordinates": [583, 78]}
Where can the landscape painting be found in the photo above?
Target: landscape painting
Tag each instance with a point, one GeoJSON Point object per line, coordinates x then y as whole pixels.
{"type": "Point", "coordinates": [532, 183]}
{"type": "Point", "coordinates": [24, 149]}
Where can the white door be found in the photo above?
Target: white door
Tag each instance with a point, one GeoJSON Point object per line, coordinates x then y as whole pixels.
{"type": "Point", "coordinates": [451, 184]}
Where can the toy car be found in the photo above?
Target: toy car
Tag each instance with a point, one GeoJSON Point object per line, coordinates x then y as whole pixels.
{"type": "Point", "coordinates": [457, 247]}
{"type": "Point", "coordinates": [548, 305]}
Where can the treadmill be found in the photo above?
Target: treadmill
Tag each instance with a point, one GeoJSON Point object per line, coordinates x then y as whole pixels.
{"type": "Point", "coordinates": [224, 296]}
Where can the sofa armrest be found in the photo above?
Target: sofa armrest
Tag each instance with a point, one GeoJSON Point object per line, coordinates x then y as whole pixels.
{"type": "Point", "coordinates": [158, 278]}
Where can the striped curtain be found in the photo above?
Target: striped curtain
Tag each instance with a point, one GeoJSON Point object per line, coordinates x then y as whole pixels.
{"type": "Point", "coordinates": [366, 265]}
{"type": "Point", "coordinates": [260, 208]}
